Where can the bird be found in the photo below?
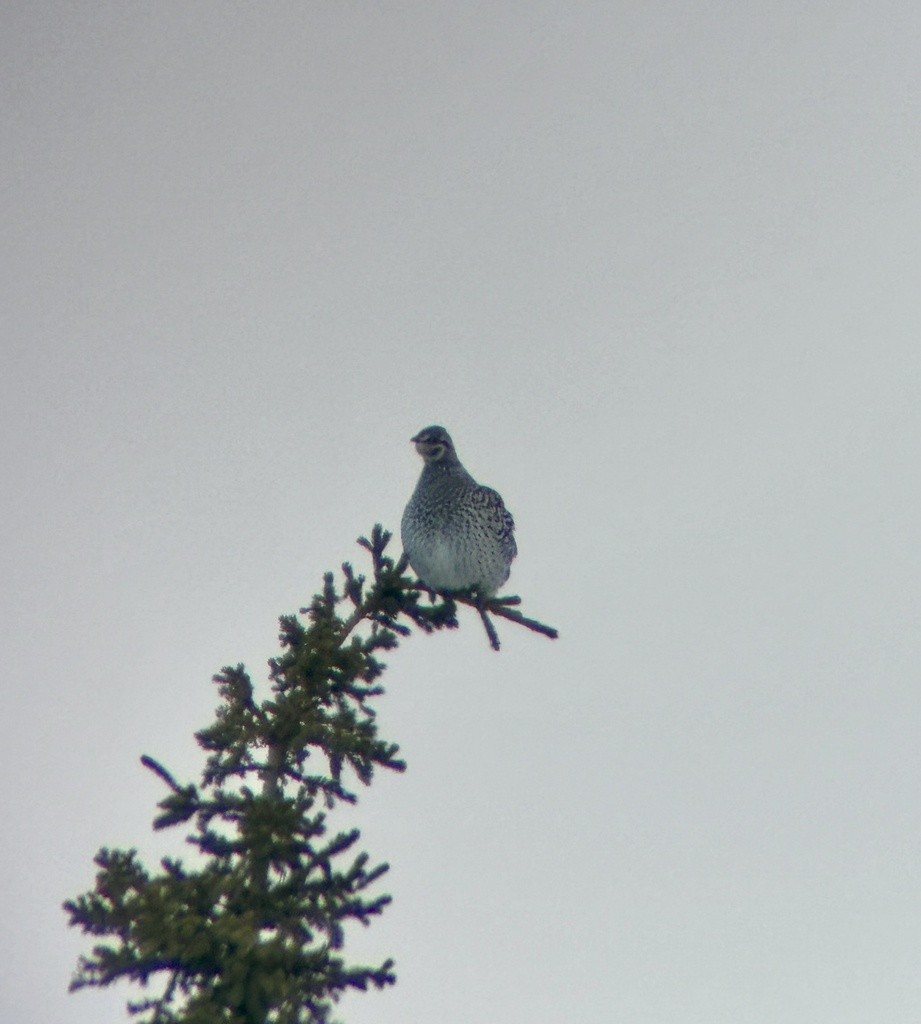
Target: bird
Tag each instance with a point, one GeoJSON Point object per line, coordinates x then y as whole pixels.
{"type": "Point", "coordinates": [457, 534]}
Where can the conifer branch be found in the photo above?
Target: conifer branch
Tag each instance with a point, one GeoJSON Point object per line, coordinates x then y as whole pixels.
{"type": "Point", "coordinates": [501, 606]}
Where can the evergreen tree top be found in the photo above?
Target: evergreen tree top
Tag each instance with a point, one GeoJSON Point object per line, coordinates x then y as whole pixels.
{"type": "Point", "coordinates": [254, 932]}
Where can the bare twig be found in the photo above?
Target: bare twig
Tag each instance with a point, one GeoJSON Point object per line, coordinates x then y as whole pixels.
{"type": "Point", "coordinates": [501, 606]}
{"type": "Point", "coordinates": [490, 628]}
{"type": "Point", "coordinates": [507, 613]}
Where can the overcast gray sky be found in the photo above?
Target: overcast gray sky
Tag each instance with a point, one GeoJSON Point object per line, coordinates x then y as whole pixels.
{"type": "Point", "coordinates": [658, 269]}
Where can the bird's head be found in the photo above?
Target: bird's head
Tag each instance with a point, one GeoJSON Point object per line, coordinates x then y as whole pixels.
{"type": "Point", "coordinates": [434, 444]}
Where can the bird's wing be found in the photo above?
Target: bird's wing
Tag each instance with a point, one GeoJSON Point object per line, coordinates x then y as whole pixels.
{"type": "Point", "coordinates": [505, 524]}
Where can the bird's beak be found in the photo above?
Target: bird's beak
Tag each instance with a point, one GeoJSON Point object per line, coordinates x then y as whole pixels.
{"type": "Point", "coordinates": [415, 440]}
